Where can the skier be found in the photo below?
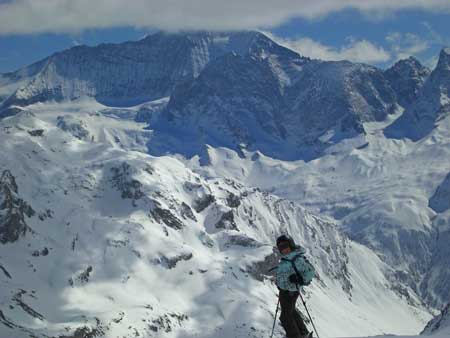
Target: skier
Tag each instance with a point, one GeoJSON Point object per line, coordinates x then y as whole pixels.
{"type": "Point", "coordinates": [293, 271]}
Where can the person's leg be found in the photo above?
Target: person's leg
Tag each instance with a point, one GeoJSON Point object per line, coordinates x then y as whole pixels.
{"type": "Point", "coordinates": [288, 313]}
{"type": "Point", "coordinates": [300, 323]}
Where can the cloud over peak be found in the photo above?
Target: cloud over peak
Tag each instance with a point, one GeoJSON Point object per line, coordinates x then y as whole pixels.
{"type": "Point", "coordinates": [355, 50]}
{"type": "Point", "coordinates": [58, 16]}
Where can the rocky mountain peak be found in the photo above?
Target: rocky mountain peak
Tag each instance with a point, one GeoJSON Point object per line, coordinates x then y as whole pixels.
{"type": "Point", "coordinates": [133, 72]}
{"type": "Point", "coordinates": [431, 106]}
{"type": "Point", "coordinates": [406, 77]}
{"type": "Point", "coordinates": [444, 59]}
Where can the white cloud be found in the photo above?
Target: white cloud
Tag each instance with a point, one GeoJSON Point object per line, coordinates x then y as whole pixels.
{"type": "Point", "coordinates": [404, 45]}
{"type": "Point", "coordinates": [435, 36]}
{"type": "Point", "coordinates": [355, 50]}
{"type": "Point", "coordinates": [37, 16]}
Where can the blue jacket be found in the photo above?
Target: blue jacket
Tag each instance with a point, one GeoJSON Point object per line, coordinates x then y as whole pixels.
{"type": "Point", "coordinates": [286, 269]}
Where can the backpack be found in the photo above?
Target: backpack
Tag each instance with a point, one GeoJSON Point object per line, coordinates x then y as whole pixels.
{"type": "Point", "coordinates": [302, 267]}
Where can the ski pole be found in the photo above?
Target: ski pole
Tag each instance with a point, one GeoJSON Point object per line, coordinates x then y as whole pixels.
{"type": "Point", "coordinates": [275, 318]}
{"type": "Point", "coordinates": [306, 308]}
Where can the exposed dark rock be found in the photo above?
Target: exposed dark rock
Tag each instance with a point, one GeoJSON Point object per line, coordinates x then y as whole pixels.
{"type": "Point", "coordinates": [204, 202]}
{"type": "Point", "coordinates": [206, 239]}
{"type": "Point", "coordinates": [149, 169]}
{"type": "Point", "coordinates": [46, 214]}
{"type": "Point", "coordinates": [18, 300]}
{"type": "Point", "coordinates": [171, 262]}
{"type": "Point", "coordinates": [36, 132]}
{"type": "Point", "coordinates": [13, 210]}
{"type": "Point", "coordinates": [87, 332]}
{"type": "Point", "coordinates": [43, 252]}
{"type": "Point", "coordinates": [6, 321]}
{"type": "Point", "coordinates": [242, 240]}
{"type": "Point", "coordinates": [10, 111]}
{"type": "Point", "coordinates": [166, 322]}
{"type": "Point", "coordinates": [233, 201]}
{"type": "Point", "coordinates": [119, 318]}
{"type": "Point", "coordinates": [430, 107]}
{"type": "Point", "coordinates": [226, 221]}
{"type": "Point", "coordinates": [74, 126]}
{"type": "Point", "coordinates": [7, 274]}
{"type": "Point", "coordinates": [186, 212]}
{"type": "Point", "coordinates": [437, 322]}
{"type": "Point", "coordinates": [74, 242]}
{"type": "Point", "coordinates": [122, 180]}
{"type": "Point", "coordinates": [265, 268]}
{"type": "Point", "coordinates": [164, 215]}
{"type": "Point", "coordinates": [440, 201]}
{"type": "Point", "coordinates": [406, 78]}
{"type": "Point", "coordinates": [83, 277]}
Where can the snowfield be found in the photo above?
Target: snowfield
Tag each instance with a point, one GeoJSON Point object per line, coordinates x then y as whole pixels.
{"type": "Point", "coordinates": [125, 242]}
{"type": "Point", "coordinates": [159, 218]}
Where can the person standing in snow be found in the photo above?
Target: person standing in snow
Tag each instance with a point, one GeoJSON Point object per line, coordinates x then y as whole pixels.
{"type": "Point", "coordinates": [293, 271]}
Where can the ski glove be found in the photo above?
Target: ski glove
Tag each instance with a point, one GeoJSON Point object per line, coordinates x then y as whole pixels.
{"type": "Point", "coordinates": [296, 279]}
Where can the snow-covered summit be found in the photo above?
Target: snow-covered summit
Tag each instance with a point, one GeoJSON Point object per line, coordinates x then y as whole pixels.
{"type": "Point", "coordinates": [125, 244]}
{"type": "Point", "coordinates": [135, 72]}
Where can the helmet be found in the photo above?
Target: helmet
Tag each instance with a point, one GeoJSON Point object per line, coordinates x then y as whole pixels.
{"type": "Point", "coordinates": [286, 238]}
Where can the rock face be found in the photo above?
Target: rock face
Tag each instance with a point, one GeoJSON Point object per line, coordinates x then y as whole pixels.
{"type": "Point", "coordinates": [432, 104]}
{"type": "Point", "coordinates": [74, 126]}
{"type": "Point", "coordinates": [239, 96]}
{"type": "Point", "coordinates": [243, 101]}
{"type": "Point", "coordinates": [330, 94]}
{"type": "Point", "coordinates": [406, 78]}
{"type": "Point", "coordinates": [440, 201]}
{"type": "Point", "coordinates": [440, 323]}
{"type": "Point", "coordinates": [226, 89]}
{"type": "Point", "coordinates": [13, 210]}
{"type": "Point", "coordinates": [133, 72]}
{"type": "Point", "coordinates": [237, 90]}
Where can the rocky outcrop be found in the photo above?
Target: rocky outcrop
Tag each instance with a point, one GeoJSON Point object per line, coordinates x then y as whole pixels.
{"type": "Point", "coordinates": [406, 78]}
{"type": "Point", "coordinates": [166, 217]}
{"type": "Point", "coordinates": [122, 180]}
{"type": "Point", "coordinates": [13, 210]}
{"type": "Point", "coordinates": [440, 201]}
{"type": "Point", "coordinates": [243, 102]}
{"type": "Point", "coordinates": [74, 126]}
{"type": "Point", "coordinates": [440, 323]}
{"type": "Point", "coordinates": [432, 104]}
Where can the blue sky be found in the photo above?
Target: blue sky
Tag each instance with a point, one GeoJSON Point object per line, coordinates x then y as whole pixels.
{"type": "Point", "coordinates": [378, 36]}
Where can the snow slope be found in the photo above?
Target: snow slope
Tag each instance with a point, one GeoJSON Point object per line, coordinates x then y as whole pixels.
{"type": "Point", "coordinates": [122, 243]}
{"type": "Point", "coordinates": [99, 238]}
{"type": "Point", "coordinates": [379, 194]}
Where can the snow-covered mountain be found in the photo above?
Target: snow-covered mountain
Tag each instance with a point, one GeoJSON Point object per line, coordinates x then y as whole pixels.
{"type": "Point", "coordinates": [159, 219]}
{"type": "Point", "coordinates": [103, 225]}
{"type": "Point", "coordinates": [431, 106]}
{"type": "Point", "coordinates": [252, 105]}
{"type": "Point", "coordinates": [133, 72]}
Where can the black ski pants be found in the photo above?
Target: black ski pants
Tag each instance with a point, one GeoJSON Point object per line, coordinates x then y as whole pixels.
{"type": "Point", "coordinates": [290, 319]}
